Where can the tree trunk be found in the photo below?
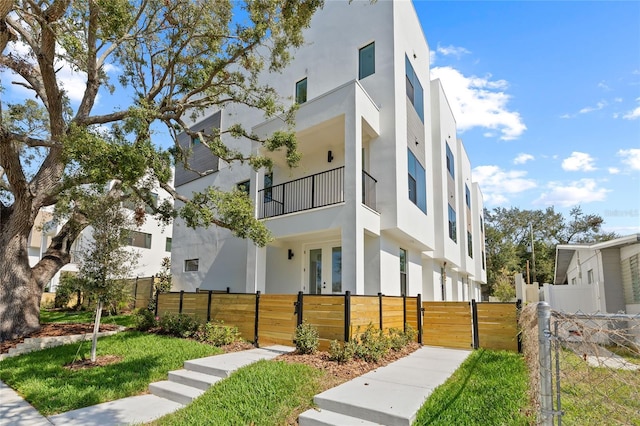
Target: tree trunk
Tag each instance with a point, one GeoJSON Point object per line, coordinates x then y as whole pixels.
{"type": "Point", "coordinates": [20, 292]}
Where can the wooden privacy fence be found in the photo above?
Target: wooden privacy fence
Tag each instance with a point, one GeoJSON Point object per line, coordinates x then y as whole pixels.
{"type": "Point", "coordinates": [273, 318]}
{"type": "Point", "coordinates": [468, 325]}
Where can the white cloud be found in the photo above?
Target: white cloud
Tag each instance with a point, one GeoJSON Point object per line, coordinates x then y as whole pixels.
{"type": "Point", "coordinates": [604, 86]}
{"type": "Point", "coordinates": [452, 51]}
{"type": "Point", "coordinates": [614, 170]}
{"type": "Point", "coordinates": [479, 102]}
{"type": "Point", "coordinates": [589, 109]}
{"type": "Point", "coordinates": [578, 161]}
{"type": "Point", "coordinates": [578, 192]}
{"type": "Point", "coordinates": [630, 157]}
{"type": "Point", "coordinates": [496, 183]}
{"type": "Point", "coordinates": [523, 158]}
{"type": "Point", "coordinates": [632, 115]}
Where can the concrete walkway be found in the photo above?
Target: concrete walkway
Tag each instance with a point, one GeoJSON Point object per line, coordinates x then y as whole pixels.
{"type": "Point", "coordinates": [391, 395]}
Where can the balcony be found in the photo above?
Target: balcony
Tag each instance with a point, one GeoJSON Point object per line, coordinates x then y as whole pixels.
{"type": "Point", "coordinates": [311, 192]}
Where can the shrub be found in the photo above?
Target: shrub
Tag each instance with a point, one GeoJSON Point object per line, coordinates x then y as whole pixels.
{"type": "Point", "coordinates": [68, 287]}
{"type": "Point", "coordinates": [145, 320]}
{"type": "Point", "coordinates": [179, 325]}
{"type": "Point", "coordinates": [372, 344]}
{"type": "Point", "coordinates": [217, 334]}
{"type": "Point", "coordinates": [398, 339]}
{"type": "Point", "coordinates": [341, 352]}
{"type": "Point", "coordinates": [307, 340]}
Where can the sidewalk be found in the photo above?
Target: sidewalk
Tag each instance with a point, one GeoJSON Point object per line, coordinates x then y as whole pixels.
{"type": "Point", "coordinates": [391, 395]}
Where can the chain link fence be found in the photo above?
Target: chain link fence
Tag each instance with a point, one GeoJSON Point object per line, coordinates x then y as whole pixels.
{"type": "Point", "coordinates": [585, 368]}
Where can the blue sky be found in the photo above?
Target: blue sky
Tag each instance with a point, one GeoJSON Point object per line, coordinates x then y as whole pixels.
{"type": "Point", "coordinates": [546, 96]}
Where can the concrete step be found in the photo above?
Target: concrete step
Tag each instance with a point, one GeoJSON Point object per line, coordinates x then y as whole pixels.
{"type": "Point", "coordinates": [173, 391]}
{"type": "Point", "coordinates": [321, 417]}
{"type": "Point", "coordinates": [193, 379]}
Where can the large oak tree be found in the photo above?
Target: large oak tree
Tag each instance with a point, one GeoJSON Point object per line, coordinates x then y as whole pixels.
{"type": "Point", "coordinates": [174, 61]}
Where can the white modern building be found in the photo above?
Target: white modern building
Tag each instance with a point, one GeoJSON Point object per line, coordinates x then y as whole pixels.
{"type": "Point", "coordinates": [382, 200]}
{"type": "Point", "coordinates": [151, 241]}
{"type": "Point", "coordinates": [600, 277]}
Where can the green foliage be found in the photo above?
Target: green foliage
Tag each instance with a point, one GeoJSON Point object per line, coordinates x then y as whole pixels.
{"type": "Point", "coordinates": [163, 282]}
{"type": "Point", "coordinates": [504, 288]}
{"type": "Point", "coordinates": [68, 287]}
{"type": "Point", "coordinates": [179, 325]}
{"type": "Point", "coordinates": [263, 393]}
{"type": "Point", "coordinates": [217, 334]}
{"type": "Point", "coordinates": [372, 344]}
{"type": "Point", "coordinates": [342, 352]}
{"type": "Point", "coordinates": [179, 60]}
{"type": "Point", "coordinates": [145, 320]}
{"type": "Point", "coordinates": [87, 317]}
{"type": "Point", "coordinates": [398, 339]}
{"type": "Point", "coordinates": [510, 232]}
{"type": "Point", "coordinates": [214, 206]}
{"type": "Point", "coordinates": [41, 376]}
{"type": "Point", "coordinates": [489, 388]}
{"type": "Point", "coordinates": [306, 338]}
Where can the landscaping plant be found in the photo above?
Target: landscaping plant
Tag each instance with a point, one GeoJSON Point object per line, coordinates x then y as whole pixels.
{"type": "Point", "coordinates": [217, 334]}
{"type": "Point", "coordinates": [306, 338]}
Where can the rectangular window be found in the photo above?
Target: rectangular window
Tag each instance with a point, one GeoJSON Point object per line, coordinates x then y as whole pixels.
{"type": "Point", "coordinates": [467, 196]}
{"type": "Point", "coordinates": [403, 271]}
{"type": "Point", "coordinates": [191, 265]}
{"type": "Point", "coordinates": [573, 281]}
{"type": "Point", "coordinates": [483, 266]}
{"type": "Point", "coordinates": [268, 190]}
{"type": "Point", "coordinates": [469, 244]}
{"type": "Point", "coordinates": [590, 276]}
{"type": "Point", "coordinates": [367, 62]}
{"type": "Point", "coordinates": [245, 186]}
{"type": "Point", "coordinates": [139, 239]}
{"type": "Point", "coordinates": [301, 91]}
{"type": "Point", "coordinates": [453, 233]}
{"type": "Point", "coordinates": [132, 203]}
{"type": "Point", "coordinates": [415, 93]}
{"type": "Point", "coordinates": [167, 244]}
{"type": "Point", "coordinates": [417, 182]}
{"type": "Point", "coordinates": [481, 224]}
{"type": "Point", "coordinates": [450, 162]}
{"type": "Point", "coordinates": [336, 269]}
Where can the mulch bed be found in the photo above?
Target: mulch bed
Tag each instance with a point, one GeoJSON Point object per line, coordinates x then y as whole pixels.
{"type": "Point", "coordinates": [100, 361]}
{"type": "Point", "coordinates": [55, 329]}
{"type": "Point", "coordinates": [342, 372]}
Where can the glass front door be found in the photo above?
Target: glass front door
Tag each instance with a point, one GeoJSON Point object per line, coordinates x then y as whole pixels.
{"type": "Point", "coordinates": [325, 277]}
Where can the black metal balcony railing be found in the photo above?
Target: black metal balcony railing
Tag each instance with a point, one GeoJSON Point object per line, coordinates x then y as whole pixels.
{"type": "Point", "coordinates": [318, 190]}
{"type": "Point", "coordinates": [368, 190]}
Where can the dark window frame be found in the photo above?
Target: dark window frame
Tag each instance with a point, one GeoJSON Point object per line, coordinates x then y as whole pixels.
{"type": "Point", "coordinates": [189, 265]}
{"type": "Point", "coordinates": [453, 226]}
{"type": "Point", "coordinates": [416, 182]}
{"type": "Point", "coordinates": [366, 64]}
{"type": "Point", "coordinates": [301, 91]}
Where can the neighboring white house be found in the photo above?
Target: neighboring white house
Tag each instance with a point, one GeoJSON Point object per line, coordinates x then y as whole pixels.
{"type": "Point", "coordinates": [601, 277]}
{"type": "Point", "coordinates": [152, 241]}
{"type": "Point", "coordinates": [382, 200]}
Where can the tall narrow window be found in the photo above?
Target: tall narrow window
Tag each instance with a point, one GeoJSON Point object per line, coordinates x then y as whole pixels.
{"type": "Point", "coordinates": [590, 276]}
{"type": "Point", "coordinates": [467, 195]}
{"type": "Point", "coordinates": [268, 190]}
{"type": "Point", "coordinates": [367, 61]}
{"type": "Point", "coordinates": [453, 234]}
{"type": "Point", "coordinates": [403, 271]}
{"type": "Point", "coordinates": [469, 244]}
{"type": "Point", "coordinates": [167, 244]}
{"type": "Point", "coordinates": [450, 162]}
{"type": "Point", "coordinates": [301, 91]}
{"type": "Point", "coordinates": [417, 182]}
{"type": "Point", "coordinates": [415, 93]}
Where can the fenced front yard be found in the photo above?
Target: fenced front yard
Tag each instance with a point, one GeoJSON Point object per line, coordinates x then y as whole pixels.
{"type": "Point", "coordinates": [272, 318]}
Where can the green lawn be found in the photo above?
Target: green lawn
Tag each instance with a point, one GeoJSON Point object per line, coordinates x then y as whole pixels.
{"type": "Point", "coordinates": [47, 316]}
{"type": "Point", "coordinates": [263, 393]}
{"type": "Point", "coordinates": [42, 379]}
{"type": "Point", "coordinates": [489, 388]}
